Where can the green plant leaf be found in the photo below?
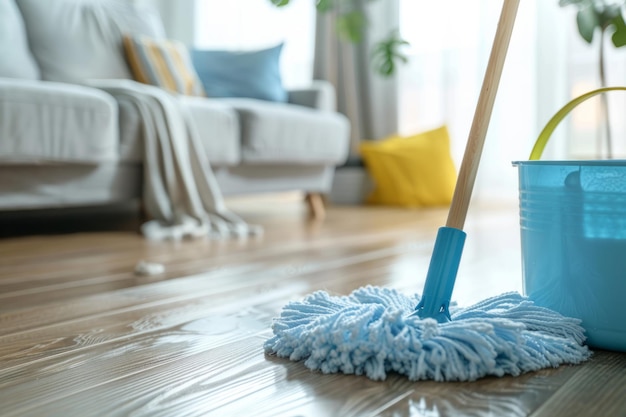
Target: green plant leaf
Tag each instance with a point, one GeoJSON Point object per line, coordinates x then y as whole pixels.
{"type": "Point", "coordinates": [610, 12]}
{"type": "Point", "coordinates": [587, 20]}
{"type": "Point", "coordinates": [350, 26]}
{"type": "Point", "coordinates": [324, 6]}
{"type": "Point", "coordinates": [387, 53]}
{"type": "Point", "coordinates": [564, 3]}
{"type": "Point", "coordinates": [280, 3]}
{"type": "Point", "coordinates": [619, 36]}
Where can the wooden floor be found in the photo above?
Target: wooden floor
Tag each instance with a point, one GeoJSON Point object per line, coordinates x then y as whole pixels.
{"type": "Point", "coordinates": [82, 335]}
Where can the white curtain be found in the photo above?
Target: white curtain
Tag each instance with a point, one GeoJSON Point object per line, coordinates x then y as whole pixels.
{"type": "Point", "coordinates": [547, 65]}
{"type": "Point", "coordinates": [442, 82]}
{"type": "Point", "coordinates": [367, 99]}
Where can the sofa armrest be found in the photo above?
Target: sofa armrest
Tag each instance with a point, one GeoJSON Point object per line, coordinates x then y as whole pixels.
{"type": "Point", "coordinates": [320, 95]}
{"type": "Point", "coordinates": [44, 121]}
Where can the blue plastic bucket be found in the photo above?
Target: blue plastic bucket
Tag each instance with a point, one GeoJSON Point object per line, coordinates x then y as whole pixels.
{"type": "Point", "coordinates": [573, 230]}
{"type": "Point", "coordinates": [573, 234]}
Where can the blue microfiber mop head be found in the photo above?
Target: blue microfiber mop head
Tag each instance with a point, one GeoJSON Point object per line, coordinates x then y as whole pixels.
{"type": "Point", "coordinates": [372, 332]}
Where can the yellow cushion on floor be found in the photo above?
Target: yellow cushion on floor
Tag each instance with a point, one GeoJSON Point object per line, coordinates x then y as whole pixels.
{"type": "Point", "coordinates": [413, 171]}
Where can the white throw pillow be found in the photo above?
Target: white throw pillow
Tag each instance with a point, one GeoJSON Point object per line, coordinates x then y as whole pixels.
{"type": "Point", "coordinates": [16, 61]}
{"type": "Point", "coordinates": [77, 40]}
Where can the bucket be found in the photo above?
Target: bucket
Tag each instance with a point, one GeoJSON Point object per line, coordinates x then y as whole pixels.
{"type": "Point", "coordinates": [573, 236]}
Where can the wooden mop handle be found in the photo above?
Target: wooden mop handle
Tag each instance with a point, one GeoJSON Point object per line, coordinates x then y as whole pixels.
{"type": "Point", "coordinates": [476, 139]}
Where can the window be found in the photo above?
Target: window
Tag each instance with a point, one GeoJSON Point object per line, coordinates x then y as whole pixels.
{"type": "Point", "coordinates": [450, 45]}
{"type": "Point", "coordinates": [257, 24]}
{"type": "Point", "coordinates": [586, 136]}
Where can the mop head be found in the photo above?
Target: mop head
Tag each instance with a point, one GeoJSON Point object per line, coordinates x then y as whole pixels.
{"type": "Point", "coordinates": [371, 332]}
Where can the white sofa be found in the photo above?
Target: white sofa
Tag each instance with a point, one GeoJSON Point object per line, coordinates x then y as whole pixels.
{"type": "Point", "coordinates": [63, 143]}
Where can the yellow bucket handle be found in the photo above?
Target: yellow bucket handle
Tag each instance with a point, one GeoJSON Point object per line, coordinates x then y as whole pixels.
{"type": "Point", "coordinates": [547, 131]}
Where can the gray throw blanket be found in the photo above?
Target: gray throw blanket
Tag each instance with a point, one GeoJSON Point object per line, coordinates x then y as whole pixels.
{"type": "Point", "coordinates": [180, 191]}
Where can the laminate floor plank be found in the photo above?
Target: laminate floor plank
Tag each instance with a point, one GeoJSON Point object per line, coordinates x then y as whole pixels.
{"type": "Point", "coordinates": [600, 385]}
{"type": "Point", "coordinates": [115, 323]}
{"type": "Point", "coordinates": [56, 343]}
{"type": "Point", "coordinates": [226, 375]}
{"type": "Point", "coordinates": [81, 335]}
{"type": "Point", "coordinates": [81, 281]}
{"type": "Point", "coordinates": [266, 271]}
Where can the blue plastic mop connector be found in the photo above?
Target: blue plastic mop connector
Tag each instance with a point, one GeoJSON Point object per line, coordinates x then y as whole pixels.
{"type": "Point", "coordinates": [442, 271]}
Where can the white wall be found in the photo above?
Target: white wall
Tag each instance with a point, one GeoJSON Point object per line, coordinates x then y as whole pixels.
{"type": "Point", "coordinates": [178, 17]}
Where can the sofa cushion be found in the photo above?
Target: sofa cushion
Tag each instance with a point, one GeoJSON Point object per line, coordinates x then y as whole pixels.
{"type": "Point", "coordinates": [217, 125]}
{"type": "Point", "coordinates": [251, 74]}
{"type": "Point", "coordinates": [16, 61]}
{"type": "Point", "coordinates": [162, 62]}
{"type": "Point", "coordinates": [285, 133]}
{"type": "Point", "coordinates": [76, 40]}
{"type": "Point", "coordinates": [44, 121]}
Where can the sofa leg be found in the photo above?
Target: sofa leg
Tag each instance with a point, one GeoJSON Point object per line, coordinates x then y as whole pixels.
{"type": "Point", "coordinates": [317, 208]}
{"type": "Point", "coordinates": [143, 212]}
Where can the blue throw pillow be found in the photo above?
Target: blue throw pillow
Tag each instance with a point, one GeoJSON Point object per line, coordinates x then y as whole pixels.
{"type": "Point", "coordinates": [253, 74]}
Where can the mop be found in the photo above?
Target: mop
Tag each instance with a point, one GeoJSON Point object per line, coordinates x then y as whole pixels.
{"type": "Point", "coordinates": [375, 331]}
